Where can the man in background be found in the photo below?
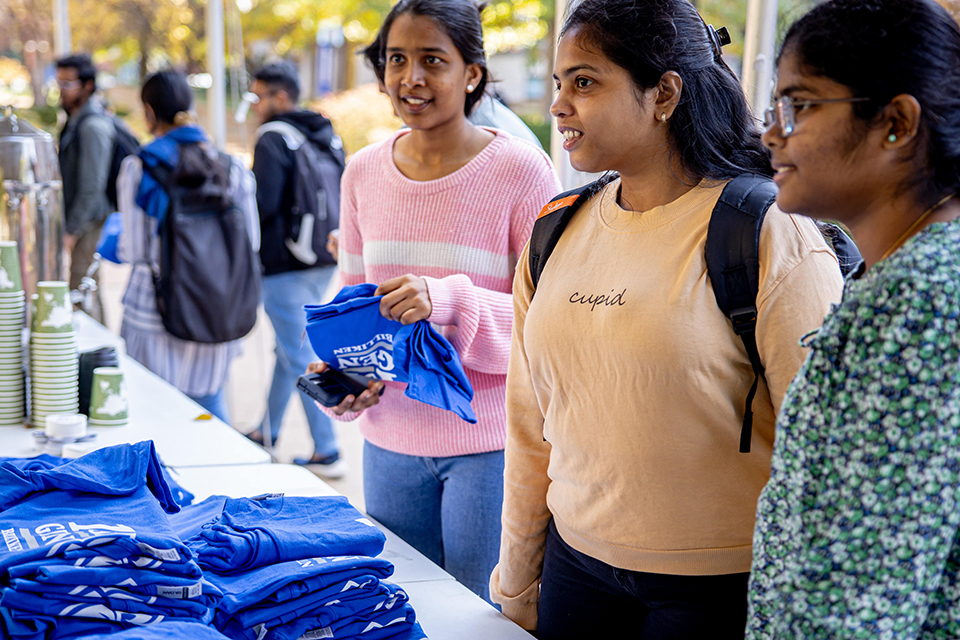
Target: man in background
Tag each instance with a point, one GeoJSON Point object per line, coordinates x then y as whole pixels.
{"type": "Point", "coordinates": [290, 279]}
{"type": "Point", "coordinates": [86, 149]}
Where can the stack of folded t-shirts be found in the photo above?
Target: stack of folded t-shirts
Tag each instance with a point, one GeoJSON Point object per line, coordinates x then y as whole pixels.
{"type": "Point", "coordinates": [291, 568]}
{"type": "Point", "coordinates": [87, 547]}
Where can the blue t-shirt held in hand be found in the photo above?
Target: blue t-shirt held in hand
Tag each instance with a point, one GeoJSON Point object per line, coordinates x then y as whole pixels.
{"type": "Point", "coordinates": [352, 336]}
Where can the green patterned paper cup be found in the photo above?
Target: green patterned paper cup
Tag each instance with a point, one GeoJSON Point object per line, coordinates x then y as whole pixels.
{"type": "Point", "coordinates": [10, 281]}
{"type": "Point", "coordinates": [108, 395]}
{"type": "Point", "coordinates": [54, 311]}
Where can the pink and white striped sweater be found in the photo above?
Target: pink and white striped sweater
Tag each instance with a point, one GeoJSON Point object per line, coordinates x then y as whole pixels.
{"type": "Point", "coordinates": [462, 234]}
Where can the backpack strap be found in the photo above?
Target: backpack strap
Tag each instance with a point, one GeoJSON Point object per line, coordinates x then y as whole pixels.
{"type": "Point", "coordinates": [848, 255]}
{"type": "Point", "coordinates": [732, 256]}
{"type": "Point", "coordinates": [292, 136]}
{"type": "Point", "coordinates": [553, 219]}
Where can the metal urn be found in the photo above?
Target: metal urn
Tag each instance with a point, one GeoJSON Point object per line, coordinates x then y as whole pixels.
{"type": "Point", "coordinates": [31, 199]}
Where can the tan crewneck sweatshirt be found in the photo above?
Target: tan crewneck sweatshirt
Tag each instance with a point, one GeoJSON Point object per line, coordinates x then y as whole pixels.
{"type": "Point", "coordinates": [626, 390]}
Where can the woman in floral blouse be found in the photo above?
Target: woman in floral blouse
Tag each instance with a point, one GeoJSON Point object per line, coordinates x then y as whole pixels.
{"type": "Point", "coordinates": [857, 530]}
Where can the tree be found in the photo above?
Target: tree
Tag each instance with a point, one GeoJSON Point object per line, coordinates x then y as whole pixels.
{"type": "Point", "coordinates": [26, 25]}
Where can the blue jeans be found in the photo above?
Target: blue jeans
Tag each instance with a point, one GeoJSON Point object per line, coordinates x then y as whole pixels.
{"type": "Point", "coordinates": [215, 404]}
{"type": "Point", "coordinates": [284, 295]}
{"type": "Point", "coordinates": [582, 597]}
{"type": "Point", "coordinates": [448, 509]}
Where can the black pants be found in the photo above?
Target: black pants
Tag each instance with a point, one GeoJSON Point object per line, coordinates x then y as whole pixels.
{"type": "Point", "coordinates": [582, 597]}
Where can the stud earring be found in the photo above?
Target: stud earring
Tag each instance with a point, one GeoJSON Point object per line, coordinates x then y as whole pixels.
{"type": "Point", "coordinates": [663, 118]}
{"type": "Point", "coordinates": [892, 137]}
{"type": "Point", "coordinates": [470, 88]}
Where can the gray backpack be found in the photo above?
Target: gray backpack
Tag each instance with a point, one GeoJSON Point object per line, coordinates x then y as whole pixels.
{"type": "Point", "coordinates": [316, 195]}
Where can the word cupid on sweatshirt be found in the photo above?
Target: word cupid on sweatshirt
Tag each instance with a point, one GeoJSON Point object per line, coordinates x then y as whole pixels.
{"type": "Point", "coordinates": [607, 300]}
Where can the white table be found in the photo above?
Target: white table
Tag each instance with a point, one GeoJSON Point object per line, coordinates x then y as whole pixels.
{"type": "Point", "coordinates": [158, 412]}
{"type": "Point", "coordinates": [445, 608]}
{"type": "Point", "coordinates": [92, 335]}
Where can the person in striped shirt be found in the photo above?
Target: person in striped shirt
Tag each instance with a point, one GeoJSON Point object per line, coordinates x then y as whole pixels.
{"type": "Point", "coordinates": [436, 216]}
{"type": "Point", "coordinates": [198, 370]}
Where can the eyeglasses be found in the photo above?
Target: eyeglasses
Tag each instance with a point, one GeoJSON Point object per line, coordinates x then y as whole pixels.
{"type": "Point", "coordinates": [69, 85]}
{"type": "Point", "coordinates": [784, 112]}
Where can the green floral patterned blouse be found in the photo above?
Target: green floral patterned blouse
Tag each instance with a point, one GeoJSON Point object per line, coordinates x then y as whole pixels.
{"type": "Point", "coordinates": [857, 530]}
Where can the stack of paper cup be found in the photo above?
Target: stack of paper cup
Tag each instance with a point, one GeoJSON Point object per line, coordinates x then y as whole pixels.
{"type": "Point", "coordinates": [53, 354]}
{"type": "Point", "coordinates": [12, 306]}
{"type": "Point", "coordinates": [108, 398]}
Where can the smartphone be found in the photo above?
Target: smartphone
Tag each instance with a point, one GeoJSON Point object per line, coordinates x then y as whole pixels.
{"type": "Point", "coordinates": [330, 387]}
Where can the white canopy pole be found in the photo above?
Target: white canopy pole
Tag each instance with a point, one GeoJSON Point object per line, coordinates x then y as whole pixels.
{"type": "Point", "coordinates": [759, 49]}
{"type": "Point", "coordinates": [61, 27]}
{"type": "Point", "coordinates": [217, 93]}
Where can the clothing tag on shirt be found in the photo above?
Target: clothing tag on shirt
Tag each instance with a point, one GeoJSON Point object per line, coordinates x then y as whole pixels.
{"type": "Point", "coordinates": [181, 593]}
{"type": "Point", "coordinates": [267, 496]}
{"type": "Point", "coordinates": [261, 630]}
{"type": "Point", "coordinates": [317, 634]}
{"type": "Point", "coordinates": [170, 555]}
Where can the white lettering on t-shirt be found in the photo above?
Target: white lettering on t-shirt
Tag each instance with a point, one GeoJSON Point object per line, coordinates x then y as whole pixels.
{"type": "Point", "coordinates": [13, 542]}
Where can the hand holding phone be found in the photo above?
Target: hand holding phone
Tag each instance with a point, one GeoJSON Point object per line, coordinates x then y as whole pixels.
{"type": "Point", "coordinates": [330, 388]}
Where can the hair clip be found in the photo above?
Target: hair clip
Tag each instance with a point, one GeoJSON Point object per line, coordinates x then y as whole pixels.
{"type": "Point", "coordinates": [719, 38]}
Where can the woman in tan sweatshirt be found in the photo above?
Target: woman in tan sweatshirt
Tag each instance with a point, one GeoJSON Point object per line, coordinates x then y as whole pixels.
{"type": "Point", "coordinates": [628, 507]}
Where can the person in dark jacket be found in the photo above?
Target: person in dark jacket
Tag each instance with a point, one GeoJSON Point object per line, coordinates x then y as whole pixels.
{"type": "Point", "coordinates": [86, 145]}
{"type": "Point", "coordinates": [288, 284]}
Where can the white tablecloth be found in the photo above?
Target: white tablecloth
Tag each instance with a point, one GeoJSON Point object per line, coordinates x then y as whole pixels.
{"type": "Point", "coordinates": [158, 412]}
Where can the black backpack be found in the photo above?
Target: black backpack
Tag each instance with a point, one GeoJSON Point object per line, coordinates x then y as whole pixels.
{"type": "Point", "coordinates": [315, 211]}
{"type": "Point", "coordinates": [124, 144]}
{"type": "Point", "coordinates": [208, 282]}
{"type": "Point", "coordinates": [732, 256]}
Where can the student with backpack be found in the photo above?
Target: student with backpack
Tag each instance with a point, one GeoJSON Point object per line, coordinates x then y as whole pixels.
{"type": "Point", "coordinates": [86, 145]}
{"type": "Point", "coordinates": [629, 498]}
{"type": "Point", "coordinates": [190, 230]}
{"type": "Point", "coordinates": [298, 162]}
{"type": "Point", "coordinates": [436, 216]}
{"type": "Point", "coordinates": [857, 530]}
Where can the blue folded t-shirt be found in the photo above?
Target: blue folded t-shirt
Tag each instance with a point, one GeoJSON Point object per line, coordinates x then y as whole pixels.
{"type": "Point", "coordinates": [45, 461]}
{"type": "Point", "coordinates": [113, 471]}
{"type": "Point", "coordinates": [134, 573]}
{"type": "Point", "coordinates": [76, 605]}
{"type": "Point", "coordinates": [165, 631]}
{"type": "Point", "coordinates": [352, 336]}
{"type": "Point", "coordinates": [387, 614]}
{"type": "Point", "coordinates": [56, 526]}
{"type": "Point", "coordinates": [255, 532]}
{"type": "Point", "coordinates": [278, 583]}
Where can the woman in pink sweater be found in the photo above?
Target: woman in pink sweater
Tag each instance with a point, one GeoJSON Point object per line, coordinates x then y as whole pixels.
{"type": "Point", "coordinates": [437, 216]}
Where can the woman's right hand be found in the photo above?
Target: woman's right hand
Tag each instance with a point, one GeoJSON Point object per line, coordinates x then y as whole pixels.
{"type": "Point", "coordinates": [365, 400]}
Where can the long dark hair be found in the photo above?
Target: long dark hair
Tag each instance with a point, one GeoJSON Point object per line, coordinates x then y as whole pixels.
{"type": "Point", "coordinates": [711, 129]}
{"type": "Point", "coordinates": [880, 49]}
{"type": "Point", "coordinates": [167, 93]}
{"type": "Point", "coordinates": [460, 19]}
